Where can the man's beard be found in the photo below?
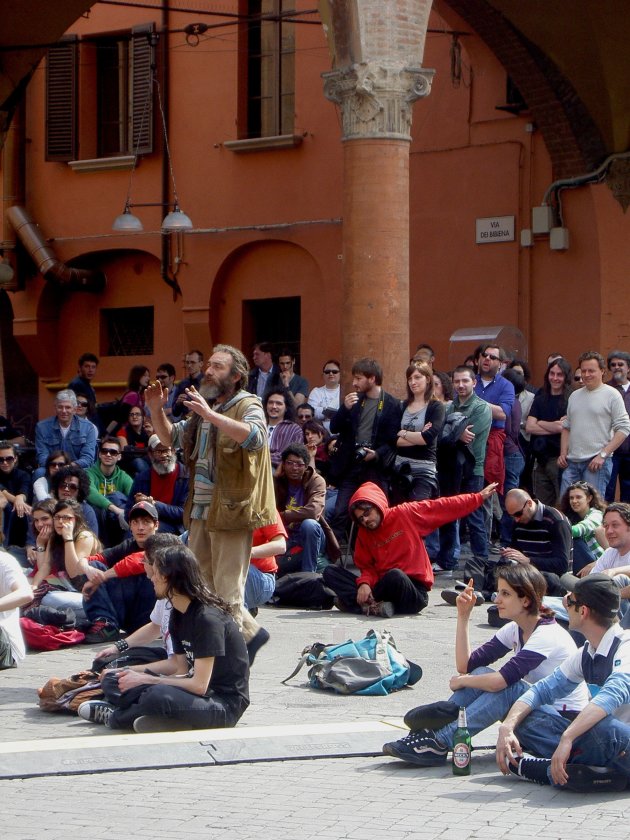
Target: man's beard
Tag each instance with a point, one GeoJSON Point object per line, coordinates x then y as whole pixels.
{"type": "Point", "coordinates": [212, 391]}
{"type": "Point", "coordinates": [165, 467]}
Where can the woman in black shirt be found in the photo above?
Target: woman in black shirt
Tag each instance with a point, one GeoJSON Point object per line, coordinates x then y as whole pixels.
{"type": "Point", "coordinates": [204, 685]}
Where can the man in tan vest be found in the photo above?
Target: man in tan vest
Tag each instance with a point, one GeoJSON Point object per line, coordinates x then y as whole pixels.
{"type": "Point", "coordinates": [231, 487]}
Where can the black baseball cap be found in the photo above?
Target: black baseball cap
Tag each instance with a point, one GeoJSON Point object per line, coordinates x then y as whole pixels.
{"type": "Point", "coordinates": [143, 509]}
{"type": "Point", "coordinates": [599, 592]}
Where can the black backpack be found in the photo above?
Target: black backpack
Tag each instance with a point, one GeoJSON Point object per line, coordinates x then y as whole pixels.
{"type": "Point", "coordinates": [305, 590]}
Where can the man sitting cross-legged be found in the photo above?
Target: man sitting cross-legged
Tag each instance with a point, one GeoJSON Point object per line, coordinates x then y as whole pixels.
{"type": "Point", "coordinates": [540, 645]}
{"type": "Point", "coordinates": [121, 597]}
{"type": "Point", "coordinates": [395, 573]}
{"type": "Point", "coordinates": [204, 685]}
{"type": "Point", "coordinates": [590, 751]}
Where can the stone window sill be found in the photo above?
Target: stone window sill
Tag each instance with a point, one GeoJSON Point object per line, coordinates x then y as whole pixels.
{"type": "Point", "coordinates": [263, 144]}
{"type": "Point", "coordinates": [109, 164]}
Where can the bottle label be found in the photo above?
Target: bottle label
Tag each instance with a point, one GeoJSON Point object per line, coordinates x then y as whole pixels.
{"type": "Point", "coordinates": [461, 755]}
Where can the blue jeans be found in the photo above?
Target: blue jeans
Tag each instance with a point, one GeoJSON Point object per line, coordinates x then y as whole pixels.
{"type": "Point", "coordinates": [483, 708]}
{"type": "Point", "coordinates": [476, 529]}
{"type": "Point", "coordinates": [579, 471]}
{"type": "Point", "coordinates": [310, 535]}
{"type": "Point", "coordinates": [126, 602]}
{"type": "Point", "coordinates": [259, 587]}
{"type": "Point", "coordinates": [582, 555]}
{"type": "Point", "coordinates": [514, 466]}
{"type": "Point", "coordinates": [607, 744]}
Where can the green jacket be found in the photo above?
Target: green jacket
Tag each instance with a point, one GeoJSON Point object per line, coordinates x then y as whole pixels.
{"type": "Point", "coordinates": [101, 486]}
{"type": "Point", "coordinates": [480, 415]}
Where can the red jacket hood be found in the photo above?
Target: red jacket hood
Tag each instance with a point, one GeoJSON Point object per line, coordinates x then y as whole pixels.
{"type": "Point", "coordinates": [372, 493]}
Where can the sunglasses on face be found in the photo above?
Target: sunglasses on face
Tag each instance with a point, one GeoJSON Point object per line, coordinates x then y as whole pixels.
{"type": "Point", "coordinates": [69, 485]}
{"type": "Point", "coordinates": [572, 602]}
{"type": "Point", "coordinates": [331, 372]}
{"type": "Point", "coordinates": [7, 459]}
{"type": "Point", "coordinates": [108, 451]}
{"type": "Point", "coordinates": [81, 404]}
{"type": "Point", "coordinates": [518, 513]}
{"type": "Point", "coordinates": [490, 356]}
{"type": "Point", "coordinates": [56, 465]}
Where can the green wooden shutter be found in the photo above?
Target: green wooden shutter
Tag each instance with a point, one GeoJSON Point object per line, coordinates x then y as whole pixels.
{"type": "Point", "coordinates": [142, 94]}
{"type": "Point", "coordinates": [62, 100]}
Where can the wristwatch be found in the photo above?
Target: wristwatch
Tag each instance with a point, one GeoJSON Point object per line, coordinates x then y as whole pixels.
{"type": "Point", "coordinates": [603, 454]}
{"type": "Point", "coordinates": [40, 548]}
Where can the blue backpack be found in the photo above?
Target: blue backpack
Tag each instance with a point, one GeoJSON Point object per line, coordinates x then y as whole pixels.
{"type": "Point", "coordinates": [372, 665]}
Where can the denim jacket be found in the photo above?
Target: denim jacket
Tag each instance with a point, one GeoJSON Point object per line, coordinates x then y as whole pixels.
{"type": "Point", "coordinates": [79, 443]}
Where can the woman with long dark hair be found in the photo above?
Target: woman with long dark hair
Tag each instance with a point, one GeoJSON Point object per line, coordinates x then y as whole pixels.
{"type": "Point", "coordinates": [42, 487]}
{"type": "Point", "coordinates": [421, 424]}
{"type": "Point", "coordinates": [539, 645]}
{"type": "Point", "coordinates": [204, 685]}
{"type": "Point", "coordinates": [137, 382]}
{"type": "Point", "coordinates": [64, 568]}
{"type": "Point", "coordinates": [584, 508]}
{"type": "Point", "coordinates": [544, 424]}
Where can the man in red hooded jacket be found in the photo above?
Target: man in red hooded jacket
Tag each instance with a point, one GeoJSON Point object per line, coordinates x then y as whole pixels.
{"type": "Point", "coordinates": [395, 570]}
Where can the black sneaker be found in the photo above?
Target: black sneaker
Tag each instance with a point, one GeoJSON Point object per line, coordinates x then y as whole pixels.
{"type": "Point", "coordinates": [96, 711]}
{"type": "Point", "coordinates": [101, 631]}
{"type": "Point", "coordinates": [159, 723]}
{"type": "Point", "coordinates": [450, 596]}
{"type": "Point", "coordinates": [582, 777]}
{"type": "Point", "coordinates": [420, 748]}
{"type": "Point", "coordinates": [254, 645]}
{"type": "Point", "coordinates": [432, 715]}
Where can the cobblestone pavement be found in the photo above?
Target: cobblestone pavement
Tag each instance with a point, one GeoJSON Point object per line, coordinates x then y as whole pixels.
{"type": "Point", "coordinates": [326, 798]}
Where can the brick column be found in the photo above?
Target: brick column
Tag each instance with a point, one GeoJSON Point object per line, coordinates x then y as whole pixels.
{"type": "Point", "coordinates": [378, 52]}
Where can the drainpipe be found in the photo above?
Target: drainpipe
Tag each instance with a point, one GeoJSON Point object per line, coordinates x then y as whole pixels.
{"type": "Point", "coordinates": [168, 278]}
{"type": "Point", "coordinates": [55, 271]}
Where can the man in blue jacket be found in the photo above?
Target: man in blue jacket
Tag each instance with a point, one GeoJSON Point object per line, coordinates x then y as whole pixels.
{"type": "Point", "coordinates": [65, 431]}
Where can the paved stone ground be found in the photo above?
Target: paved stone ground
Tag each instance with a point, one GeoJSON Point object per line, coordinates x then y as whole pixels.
{"type": "Point", "coordinates": [326, 798]}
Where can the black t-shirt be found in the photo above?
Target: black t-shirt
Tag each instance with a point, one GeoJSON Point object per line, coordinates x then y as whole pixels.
{"type": "Point", "coordinates": [204, 631]}
{"type": "Point", "coordinates": [547, 407]}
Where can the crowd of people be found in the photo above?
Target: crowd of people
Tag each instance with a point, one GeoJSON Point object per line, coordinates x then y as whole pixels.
{"type": "Point", "coordinates": [172, 513]}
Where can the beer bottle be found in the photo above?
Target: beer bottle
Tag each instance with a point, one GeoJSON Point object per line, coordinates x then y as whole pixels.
{"type": "Point", "coordinates": [461, 746]}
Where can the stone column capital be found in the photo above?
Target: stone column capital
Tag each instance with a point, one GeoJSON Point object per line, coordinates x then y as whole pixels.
{"type": "Point", "coordinates": [376, 98]}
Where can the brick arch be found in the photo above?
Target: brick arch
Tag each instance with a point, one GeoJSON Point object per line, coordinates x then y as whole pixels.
{"type": "Point", "coordinates": [270, 269]}
{"type": "Point", "coordinates": [574, 142]}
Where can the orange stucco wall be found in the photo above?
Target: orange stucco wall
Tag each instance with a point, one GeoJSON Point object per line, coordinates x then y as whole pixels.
{"type": "Point", "coordinates": [467, 161]}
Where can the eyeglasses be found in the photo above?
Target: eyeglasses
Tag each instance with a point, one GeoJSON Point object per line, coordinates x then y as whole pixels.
{"type": "Point", "coordinates": [134, 415]}
{"type": "Point", "coordinates": [69, 485]}
{"type": "Point", "coordinates": [161, 376]}
{"type": "Point", "coordinates": [362, 513]}
{"type": "Point", "coordinates": [82, 404]}
{"type": "Point", "coordinates": [162, 451]}
{"type": "Point", "coordinates": [7, 459]}
{"type": "Point", "coordinates": [572, 602]}
{"type": "Point", "coordinates": [59, 517]}
{"type": "Point", "coordinates": [332, 372]}
{"type": "Point", "coordinates": [490, 356]}
{"type": "Point", "coordinates": [518, 513]}
{"type": "Point", "coordinates": [107, 451]}
{"type": "Point", "coordinates": [295, 464]}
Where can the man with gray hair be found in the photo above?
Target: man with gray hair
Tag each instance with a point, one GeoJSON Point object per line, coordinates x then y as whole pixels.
{"type": "Point", "coordinates": [73, 435]}
{"type": "Point", "coordinates": [165, 485]}
{"type": "Point", "coordinates": [231, 486]}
